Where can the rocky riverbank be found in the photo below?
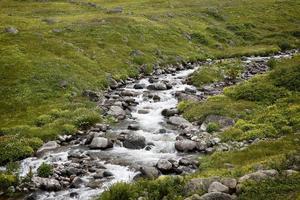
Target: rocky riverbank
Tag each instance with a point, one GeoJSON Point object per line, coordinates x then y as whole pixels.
{"type": "Point", "coordinates": [150, 138]}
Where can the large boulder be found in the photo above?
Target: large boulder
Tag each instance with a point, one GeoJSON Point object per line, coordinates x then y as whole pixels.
{"type": "Point", "coordinates": [169, 112]}
{"type": "Point", "coordinates": [77, 182]}
{"type": "Point", "coordinates": [218, 187]}
{"type": "Point", "coordinates": [117, 112]}
{"type": "Point", "coordinates": [101, 143]}
{"type": "Point", "coordinates": [149, 172]}
{"type": "Point", "coordinates": [199, 184]}
{"type": "Point", "coordinates": [157, 86]}
{"type": "Point", "coordinates": [133, 141]}
{"type": "Point", "coordinates": [185, 145]}
{"type": "Point", "coordinates": [164, 165]}
{"type": "Point", "coordinates": [216, 196]}
{"type": "Point", "coordinates": [51, 145]}
{"type": "Point", "coordinates": [179, 121]}
{"type": "Point", "coordinates": [259, 175]}
{"type": "Point", "coordinates": [47, 184]}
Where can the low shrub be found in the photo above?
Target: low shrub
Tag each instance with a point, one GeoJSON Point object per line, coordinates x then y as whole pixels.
{"type": "Point", "coordinates": [7, 180]}
{"type": "Point", "coordinates": [42, 120]}
{"type": "Point", "coordinates": [212, 127]}
{"type": "Point", "coordinates": [45, 170]}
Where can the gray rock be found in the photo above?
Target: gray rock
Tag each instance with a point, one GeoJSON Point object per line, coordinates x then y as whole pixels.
{"type": "Point", "coordinates": [229, 182]}
{"type": "Point", "coordinates": [76, 183]}
{"type": "Point", "coordinates": [169, 112]}
{"type": "Point", "coordinates": [139, 86]}
{"type": "Point", "coordinates": [47, 184]}
{"type": "Point", "coordinates": [93, 96]}
{"type": "Point", "coordinates": [101, 143]}
{"type": "Point", "coordinates": [216, 196]}
{"type": "Point", "coordinates": [143, 111]}
{"type": "Point", "coordinates": [179, 121]}
{"type": "Point", "coordinates": [51, 145]}
{"type": "Point", "coordinates": [11, 30]}
{"type": "Point", "coordinates": [133, 127]}
{"type": "Point", "coordinates": [95, 184]}
{"type": "Point", "coordinates": [133, 141]}
{"type": "Point", "coordinates": [115, 10]}
{"type": "Point", "coordinates": [164, 165]}
{"type": "Point", "coordinates": [149, 172]}
{"type": "Point", "coordinates": [255, 176]}
{"type": "Point", "coordinates": [185, 145]}
{"type": "Point", "coordinates": [117, 112]}
{"type": "Point", "coordinates": [218, 187]}
{"type": "Point", "coordinates": [157, 86]}
{"type": "Point", "coordinates": [197, 184]}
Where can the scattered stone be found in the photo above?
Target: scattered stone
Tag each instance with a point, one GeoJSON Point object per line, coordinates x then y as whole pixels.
{"type": "Point", "coordinates": [197, 184]}
{"type": "Point", "coordinates": [115, 10]}
{"type": "Point", "coordinates": [143, 111]}
{"type": "Point", "coordinates": [169, 112]}
{"type": "Point", "coordinates": [149, 172]}
{"type": "Point", "coordinates": [259, 175]}
{"type": "Point", "coordinates": [185, 145]}
{"type": "Point", "coordinates": [76, 183]}
{"type": "Point", "coordinates": [133, 127]}
{"type": "Point", "coordinates": [51, 145]}
{"type": "Point", "coordinates": [11, 30]}
{"type": "Point", "coordinates": [218, 187]}
{"type": "Point", "coordinates": [93, 96]}
{"type": "Point", "coordinates": [134, 141]}
{"type": "Point", "coordinates": [47, 184]}
{"type": "Point", "coordinates": [216, 196]}
{"type": "Point", "coordinates": [117, 112]}
{"type": "Point", "coordinates": [179, 121]}
{"type": "Point", "coordinates": [139, 86]}
{"type": "Point", "coordinates": [229, 182]}
{"type": "Point", "coordinates": [157, 86]}
{"type": "Point", "coordinates": [101, 143]}
{"type": "Point", "coordinates": [222, 121]}
{"type": "Point", "coordinates": [164, 165]}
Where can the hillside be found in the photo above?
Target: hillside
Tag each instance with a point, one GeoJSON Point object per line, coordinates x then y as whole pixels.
{"type": "Point", "coordinates": [60, 58]}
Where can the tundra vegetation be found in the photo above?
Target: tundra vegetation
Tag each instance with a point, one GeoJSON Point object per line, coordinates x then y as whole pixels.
{"type": "Point", "coordinates": [51, 51]}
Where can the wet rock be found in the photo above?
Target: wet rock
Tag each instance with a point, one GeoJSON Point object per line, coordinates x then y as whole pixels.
{"type": "Point", "coordinates": [76, 183]}
{"type": "Point", "coordinates": [218, 187]}
{"type": "Point", "coordinates": [139, 86]}
{"type": "Point", "coordinates": [162, 131]}
{"type": "Point", "coordinates": [179, 121]}
{"type": "Point", "coordinates": [149, 172]}
{"type": "Point", "coordinates": [169, 112]}
{"type": "Point", "coordinates": [216, 196]}
{"type": "Point", "coordinates": [107, 174]}
{"type": "Point", "coordinates": [47, 184]}
{"type": "Point", "coordinates": [129, 93]}
{"type": "Point", "coordinates": [185, 145]}
{"type": "Point", "coordinates": [95, 184]}
{"type": "Point", "coordinates": [190, 90]}
{"type": "Point", "coordinates": [74, 194]}
{"type": "Point", "coordinates": [133, 127]}
{"type": "Point", "coordinates": [164, 165]}
{"type": "Point", "coordinates": [11, 30]}
{"type": "Point", "coordinates": [101, 143]}
{"type": "Point", "coordinates": [143, 111]}
{"type": "Point", "coordinates": [186, 162]}
{"type": "Point", "coordinates": [133, 141]}
{"type": "Point", "coordinates": [102, 127]}
{"type": "Point", "coordinates": [156, 98]}
{"type": "Point", "coordinates": [51, 145]}
{"type": "Point", "coordinates": [157, 86]}
{"type": "Point", "coordinates": [32, 196]}
{"type": "Point", "coordinates": [117, 112]}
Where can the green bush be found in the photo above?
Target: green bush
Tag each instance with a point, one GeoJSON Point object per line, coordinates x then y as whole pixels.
{"type": "Point", "coordinates": [284, 45]}
{"type": "Point", "coordinates": [212, 127]}
{"type": "Point", "coordinates": [162, 188]}
{"type": "Point", "coordinates": [287, 75]}
{"type": "Point", "coordinates": [7, 180]}
{"type": "Point", "coordinates": [199, 38]}
{"type": "Point", "coordinates": [232, 134]}
{"type": "Point", "coordinates": [45, 170]}
{"type": "Point", "coordinates": [206, 75]}
{"type": "Point", "coordinates": [181, 106]}
{"type": "Point", "coordinates": [13, 149]}
{"type": "Point", "coordinates": [42, 120]}
{"type": "Point", "coordinates": [257, 89]}
{"type": "Point", "coordinates": [86, 120]}
{"type": "Point", "coordinates": [68, 129]}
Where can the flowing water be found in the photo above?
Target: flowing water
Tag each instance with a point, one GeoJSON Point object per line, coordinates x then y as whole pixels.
{"type": "Point", "coordinates": [123, 162]}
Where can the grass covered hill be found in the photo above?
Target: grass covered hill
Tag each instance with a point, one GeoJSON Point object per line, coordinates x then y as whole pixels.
{"type": "Point", "coordinates": [50, 51]}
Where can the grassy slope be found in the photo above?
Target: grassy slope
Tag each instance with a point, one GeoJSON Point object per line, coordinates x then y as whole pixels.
{"type": "Point", "coordinates": [282, 152]}
{"type": "Point", "coordinates": [94, 44]}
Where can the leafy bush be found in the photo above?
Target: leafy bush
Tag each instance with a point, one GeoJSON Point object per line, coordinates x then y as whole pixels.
{"type": "Point", "coordinates": [206, 75]}
{"type": "Point", "coordinates": [183, 105]}
{"type": "Point", "coordinates": [199, 38]}
{"type": "Point", "coordinates": [287, 75]}
{"type": "Point", "coordinates": [212, 127]}
{"type": "Point", "coordinates": [231, 134]}
{"type": "Point", "coordinates": [162, 188]}
{"type": "Point", "coordinates": [68, 129]}
{"type": "Point", "coordinates": [257, 89]}
{"type": "Point", "coordinates": [12, 149]}
{"type": "Point", "coordinates": [42, 120]}
{"type": "Point", "coordinates": [284, 45]}
{"type": "Point", "coordinates": [45, 170]}
{"type": "Point", "coordinates": [86, 120]}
